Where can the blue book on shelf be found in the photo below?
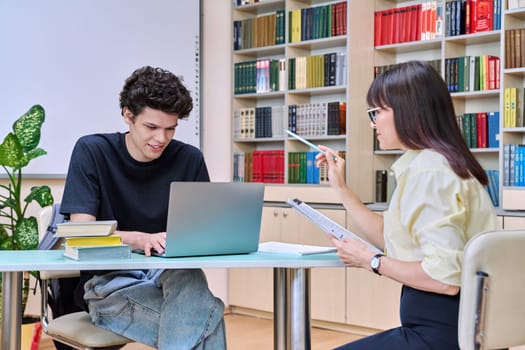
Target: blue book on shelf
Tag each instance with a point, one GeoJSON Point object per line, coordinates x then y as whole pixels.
{"type": "Point", "coordinates": [493, 129]}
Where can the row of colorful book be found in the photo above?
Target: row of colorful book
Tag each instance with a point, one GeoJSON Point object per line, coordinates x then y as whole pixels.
{"type": "Point", "coordinates": [268, 166]}
{"type": "Point", "coordinates": [302, 168]}
{"type": "Point", "coordinates": [515, 48]}
{"type": "Point", "coordinates": [328, 69]}
{"type": "Point", "coordinates": [381, 69]}
{"type": "Point", "coordinates": [422, 21]}
{"type": "Point", "coordinates": [514, 165]}
{"type": "Point", "coordinates": [472, 73]}
{"type": "Point", "coordinates": [317, 22]}
{"type": "Point", "coordinates": [514, 107]}
{"type": "Point", "coordinates": [259, 166]}
{"type": "Point", "coordinates": [311, 119]}
{"type": "Point", "coordinates": [259, 76]}
{"type": "Point", "coordinates": [317, 119]}
{"type": "Point", "coordinates": [480, 130]}
{"type": "Point", "coordinates": [386, 184]}
{"type": "Point", "coordinates": [472, 16]}
{"type": "Point", "coordinates": [256, 122]}
{"type": "Point", "coordinates": [266, 30]}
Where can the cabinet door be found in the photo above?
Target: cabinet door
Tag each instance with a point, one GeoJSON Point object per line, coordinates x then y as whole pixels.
{"type": "Point", "coordinates": [513, 222]}
{"type": "Point", "coordinates": [253, 288]}
{"type": "Point", "coordinates": [372, 301]}
{"type": "Point", "coordinates": [328, 292]}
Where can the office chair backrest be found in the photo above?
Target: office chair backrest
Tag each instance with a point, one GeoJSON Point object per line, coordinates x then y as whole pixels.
{"type": "Point", "coordinates": [492, 302]}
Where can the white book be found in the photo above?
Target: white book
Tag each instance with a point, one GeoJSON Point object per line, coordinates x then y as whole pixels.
{"type": "Point", "coordinates": [292, 248]}
{"type": "Point", "coordinates": [325, 223]}
{"type": "Point", "coordinates": [86, 228]}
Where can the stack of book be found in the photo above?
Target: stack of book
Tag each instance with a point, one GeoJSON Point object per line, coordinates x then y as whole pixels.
{"type": "Point", "coordinates": [92, 240]}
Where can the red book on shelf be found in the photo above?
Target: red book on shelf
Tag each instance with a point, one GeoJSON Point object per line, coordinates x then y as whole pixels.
{"type": "Point", "coordinates": [432, 20]}
{"type": "Point", "coordinates": [339, 19]}
{"type": "Point", "coordinates": [482, 129]}
{"type": "Point", "coordinates": [334, 20]}
{"type": "Point", "coordinates": [377, 28]}
{"type": "Point", "coordinates": [344, 13]}
{"type": "Point", "coordinates": [415, 26]}
{"type": "Point", "coordinates": [493, 72]}
{"type": "Point", "coordinates": [257, 170]}
{"type": "Point", "coordinates": [396, 25]}
{"type": "Point", "coordinates": [423, 21]}
{"type": "Point", "coordinates": [482, 15]}
{"type": "Point", "coordinates": [385, 24]}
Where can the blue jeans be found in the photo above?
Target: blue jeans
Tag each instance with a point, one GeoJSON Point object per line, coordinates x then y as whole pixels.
{"type": "Point", "coordinates": [164, 309]}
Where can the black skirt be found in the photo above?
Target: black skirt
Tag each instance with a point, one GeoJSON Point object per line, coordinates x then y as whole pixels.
{"type": "Point", "coordinates": [428, 321]}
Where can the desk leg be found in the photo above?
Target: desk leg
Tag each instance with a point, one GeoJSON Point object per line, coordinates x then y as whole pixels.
{"type": "Point", "coordinates": [11, 310]}
{"type": "Point", "coordinates": [291, 309]}
{"type": "Point", "coordinates": [299, 309]}
{"type": "Point", "coordinates": [281, 302]}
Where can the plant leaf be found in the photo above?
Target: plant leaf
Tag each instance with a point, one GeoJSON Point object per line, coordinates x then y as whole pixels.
{"type": "Point", "coordinates": [7, 243]}
{"type": "Point", "coordinates": [26, 234]}
{"type": "Point", "coordinates": [41, 194]}
{"type": "Point", "coordinates": [8, 203]}
{"type": "Point", "coordinates": [11, 152]}
{"type": "Point", "coordinates": [27, 127]}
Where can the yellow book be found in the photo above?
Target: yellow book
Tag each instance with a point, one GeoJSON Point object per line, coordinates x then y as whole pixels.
{"type": "Point", "coordinates": [513, 100]}
{"type": "Point", "coordinates": [296, 26]}
{"type": "Point", "coordinates": [506, 110]}
{"type": "Point", "coordinates": [93, 241]}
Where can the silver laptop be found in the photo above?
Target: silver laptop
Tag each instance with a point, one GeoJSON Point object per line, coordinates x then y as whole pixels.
{"type": "Point", "coordinates": [213, 218]}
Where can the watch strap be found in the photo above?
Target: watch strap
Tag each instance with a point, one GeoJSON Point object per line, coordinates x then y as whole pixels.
{"type": "Point", "coordinates": [376, 268]}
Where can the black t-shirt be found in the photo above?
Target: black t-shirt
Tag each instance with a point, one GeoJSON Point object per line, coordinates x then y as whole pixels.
{"type": "Point", "coordinates": [105, 181]}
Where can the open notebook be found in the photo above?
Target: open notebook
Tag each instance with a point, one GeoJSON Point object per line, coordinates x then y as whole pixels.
{"type": "Point", "coordinates": [325, 223]}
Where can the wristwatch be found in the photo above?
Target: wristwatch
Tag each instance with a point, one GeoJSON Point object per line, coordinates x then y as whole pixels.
{"type": "Point", "coordinates": [375, 262]}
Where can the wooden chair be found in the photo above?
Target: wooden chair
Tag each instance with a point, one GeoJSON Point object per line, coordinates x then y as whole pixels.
{"type": "Point", "coordinates": [75, 329]}
{"type": "Point", "coordinates": [492, 302]}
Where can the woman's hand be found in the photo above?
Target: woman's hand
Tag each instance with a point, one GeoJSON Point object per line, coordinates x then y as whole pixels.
{"type": "Point", "coordinates": [336, 166]}
{"type": "Point", "coordinates": [353, 252]}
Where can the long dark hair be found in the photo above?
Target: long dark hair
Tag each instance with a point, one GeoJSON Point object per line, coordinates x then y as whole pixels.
{"type": "Point", "coordinates": [424, 115]}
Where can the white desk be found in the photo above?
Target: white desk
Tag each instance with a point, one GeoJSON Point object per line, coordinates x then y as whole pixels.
{"type": "Point", "coordinates": [291, 285]}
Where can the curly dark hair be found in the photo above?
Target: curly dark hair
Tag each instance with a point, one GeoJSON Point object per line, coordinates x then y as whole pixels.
{"type": "Point", "coordinates": [155, 88]}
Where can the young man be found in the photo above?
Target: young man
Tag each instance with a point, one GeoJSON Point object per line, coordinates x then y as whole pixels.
{"type": "Point", "coordinates": [126, 177]}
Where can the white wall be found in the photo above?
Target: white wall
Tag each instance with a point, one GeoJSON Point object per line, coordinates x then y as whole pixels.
{"type": "Point", "coordinates": [215, 109]}
{"type": "Point", "coordinates": [216, 39]}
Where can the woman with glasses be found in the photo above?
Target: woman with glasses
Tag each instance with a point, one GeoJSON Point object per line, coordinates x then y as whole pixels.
{"type": "Point", "coordinates": [439, 203]}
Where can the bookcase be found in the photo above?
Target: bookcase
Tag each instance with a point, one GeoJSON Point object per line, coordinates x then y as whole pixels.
{"type": "Point", "coordinates": [455, 39]}
{"type": "Point", "coordinates": [301, 65]}
{"type": "Point", "coordinates": [371, 303]}
{"type": "Point", "coordinates": [513, 130]}
{"type": "Point", "coordinates": [281, 93]}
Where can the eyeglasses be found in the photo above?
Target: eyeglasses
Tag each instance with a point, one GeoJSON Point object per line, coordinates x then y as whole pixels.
{"type": "Point", "coordinates": [372, 114]}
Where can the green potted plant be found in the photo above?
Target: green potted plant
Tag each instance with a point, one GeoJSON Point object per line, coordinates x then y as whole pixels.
{"type": "Point", "coordinates": [18, 230]}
